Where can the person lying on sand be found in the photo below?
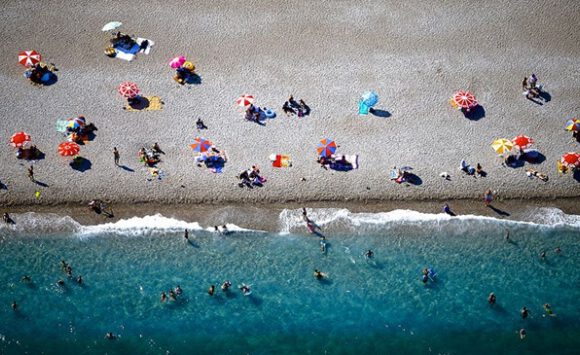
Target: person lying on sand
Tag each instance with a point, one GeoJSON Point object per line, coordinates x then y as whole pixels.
{"type": "Point", "coordinates": [531, 173]}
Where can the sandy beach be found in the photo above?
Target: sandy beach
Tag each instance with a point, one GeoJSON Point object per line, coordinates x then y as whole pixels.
{"type": "Point", "coordinates": [415, 55]}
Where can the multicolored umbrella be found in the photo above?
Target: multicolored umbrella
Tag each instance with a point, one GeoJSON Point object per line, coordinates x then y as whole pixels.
{"type": "Point", "coordinates": [326, 148]}
{"type": "Point", "coordinates": [29, 58]}
{"type": "Point", "coordinates": [76, 123]}
{"type": "Point", "coordinates": [370, 98]}
{"type": "Point", "coordinates": [522, 142]}
{"type": "Point", "coordinates": [18, 139]}
{"type": "Point", "coordinates": [177, 62]}
{"type": "Point", "coordinates": [128, 90]}
{"type": "Point", "coordinates": [201, 145]}
{"type": "Point", "coordinates": [245, 100]}
{"type": "Point", "coordinates": [573, 125]}
{"type": "Point", "coordinates": [68, 149]}
{"type": "Point", "coordinates": [571, 160]}
{"type": "Point", "coordinates": [465, 99]}
{"type": "Point", "coordinates": [502, 146]}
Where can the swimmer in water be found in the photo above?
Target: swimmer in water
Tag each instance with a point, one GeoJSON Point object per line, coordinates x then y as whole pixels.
{"type": "Point", "coordinates": [245, 289]}
{"type": "Point", "coordinates": [543, 254]}
{"type": "Point", "coordinates": [225, 229]}
{"type": "Point", "coordinates": [60, 282]}
{"type": "Point", "coordinates": [524, 312]}
{"type": "Point", "coordinates": [178, 290]}
{"type": "Point", "coordinates": [172, 295]}
{"type": "Point", "coordinates": [491, 298]}
{"type": "Point", "coordinates": [424, 278]}
{"type": "Point", "coordinates": [186, 235]}
{"type": "Point", "coordinates": [216, 229]}
{"type": "Point", "coordinates": [211, 290]}
{"type": "Point", "coordinates": [522, 333]}
{"type": "Point", "coordinates": [507, 235]}
{"type": "Point", "coordinates": [305, 216]}
{"type": "Point", "coordinates": [319, 274]}
{"type": "Point", "coordinates": [558, 250]}
{"type": "Point", "coordinates": [14, 306]}
{"type": "Point", "coordinates": [369, 254]}
{"type": "Point", "coordinates": [548, 310]}
{"type": "Point", "coordinates": [26, 278]}
{"type": "Point", "coordinates": [80, 279]}
{"type": "Point", "coordinates": [110, 336]}
{"type": "Point", "coordinates": [226, 285]}
{"type": "Point", "coordinates": [69, 271]}
{"type": "Point", "coordinates": [63, 265]}
{"type": "Point", "coordinates": [163, 296]}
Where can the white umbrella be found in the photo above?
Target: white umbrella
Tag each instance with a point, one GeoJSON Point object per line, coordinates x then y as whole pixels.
{"type": "Point", "coordinates": [111, 26]}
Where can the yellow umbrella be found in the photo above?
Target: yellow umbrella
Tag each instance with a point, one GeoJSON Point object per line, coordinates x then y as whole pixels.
{"type": "Point", "coordinates": [502, 146]}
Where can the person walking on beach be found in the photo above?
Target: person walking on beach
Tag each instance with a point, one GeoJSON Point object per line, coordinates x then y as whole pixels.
{"type": "Point", "coordinates": [116, 155]}
{"type": "Point", "coordinates": [31, 173]}
{"type": "Point", "coordinates": [488, 197]}
{"type": "Point", "coordinates": [525, 84]}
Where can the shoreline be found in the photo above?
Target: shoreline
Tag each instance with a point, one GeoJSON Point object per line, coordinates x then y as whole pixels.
{"type": "Point", "coordinates": [266, 216]}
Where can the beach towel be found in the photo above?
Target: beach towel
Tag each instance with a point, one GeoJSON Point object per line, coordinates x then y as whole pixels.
{"type": "Point", "coordinates": [344, 162]}
{"type": "Point", "coordinates": [363, 109]}
{"type": "Point", "coordinates": [281, 160]}
{"type": "Point", "coordinates": [154, 104]}
{"type": "Point", "coordinates": [61, 125]}
{"type": "Point", "coordinates": [123, 55]}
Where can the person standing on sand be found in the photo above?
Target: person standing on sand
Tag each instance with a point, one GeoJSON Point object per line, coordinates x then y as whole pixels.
{"type": "Point", "coordinates": [116, 155]}
{"type": "Point", "coordinates": [488, 197]}
{"type": "Point", "coordinates": [525, 84]}
{"type": "Point", "coordinates": [31, 173]}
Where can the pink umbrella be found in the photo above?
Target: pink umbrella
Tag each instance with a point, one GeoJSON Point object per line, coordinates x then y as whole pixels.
{"type": "Point", "coordinates": [245, 100]}
{"type": "Point", "coordinates": [128, 89]}
{"type": "Point", "coordinates": [177, 62]}
{"type": "Point", "coordinates": [465, 99]}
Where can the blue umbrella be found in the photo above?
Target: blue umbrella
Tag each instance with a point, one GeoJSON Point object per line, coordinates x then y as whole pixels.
{"type": "Point", "coordinates": [370, 98]}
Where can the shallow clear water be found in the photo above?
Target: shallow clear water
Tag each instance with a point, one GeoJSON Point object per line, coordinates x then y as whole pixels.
{"type": "Point", "coordinates": [377, 305]}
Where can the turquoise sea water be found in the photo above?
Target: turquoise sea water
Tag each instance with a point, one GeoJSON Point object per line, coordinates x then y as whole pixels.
{"type": "Point", "coordinates": [377, 305]}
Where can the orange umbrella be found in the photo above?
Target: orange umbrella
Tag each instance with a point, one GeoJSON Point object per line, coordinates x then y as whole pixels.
{"type": "Point", "coordinates": [571, 160]}
{"type": "Point", "coordinates": [465, 99]}
{"type": "Point", "coordinates": [68, 149]}
{"type": "Point", "coordinates": [18, 139]}
{"type": "Point", "coordinates": [522, 141]}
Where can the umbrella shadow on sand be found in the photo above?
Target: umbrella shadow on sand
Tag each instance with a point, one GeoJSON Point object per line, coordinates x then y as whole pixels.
{"type": "Point", "coordinates": [576, 175]}
{"type": "Point", "coordinates": [81, 164]}
{"type": "Point", "coordinates": [50, 79]}
{"type": "Point", "coordinates": [475, 114]}
{"type": "Point", "coordinates": [413, 179]}
{"type": "Point", "coordinates": [380, 113]}
{"type": "Point", "coordinates": [192, 79]}
{"type": "Point", "coordinates": [138, 103]}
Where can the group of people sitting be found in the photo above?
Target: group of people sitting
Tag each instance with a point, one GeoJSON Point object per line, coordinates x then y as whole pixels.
{"type": "Point", "coordinates": [214, 159]}
{"type": "Point", "coordinates": [151, 156]}
{"type": "Point", "coordinates": [256, 114]}
{"type": "Point", "coordinates": [41, 73]}
{"type": "Point", "coordinates": [79, 132]}
{"type": "Point", "coordinates": [291, 107]}
{"type": "Point", "coordinates": [338, 162]}
{"type": "Point", "coordinates": [399, 175]}
{"type": "Point", "coordinates": [470, 170]}
{"type": "Point", "coordinates": [251, 177]}
{"type": "Point", "coordinates": [531, 87]}
{"type": "Point", "coordinates": [184, 72]}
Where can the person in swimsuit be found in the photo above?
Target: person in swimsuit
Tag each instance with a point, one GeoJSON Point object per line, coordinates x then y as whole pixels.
{"type": "Point", "coordinates": [226, 285]}
{"type": "Point", "coordinates": [163, 296]}
{"type": "Point", "coordinates": [369, 254]}
{"type": "Point", "coordinates": [319, 274]}
{"type": "Point", "coordinates": [211, 290]}
{"type": "Point", "coordinates": [491, 298]}
{"type": "Point", "coordinates": [524, 313]}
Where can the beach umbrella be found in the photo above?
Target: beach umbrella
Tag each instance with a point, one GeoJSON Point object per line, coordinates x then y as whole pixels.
{"type": "Point", "coordinates": [326, 148]}
{"type": "Point", "coordinates": [29, 58]}
{"type": "Point", "coordinates": [177, 62]}
{"type": "Point", "coordinates": [573, 125]}
{"type": "Point", "coordinates": [111, 26]}
{"type": "Point", "coordinates": [18, 139]}
{"type": "Point", "coordinates": [128, 89]}
{"type": "Point", "coordinates": [370, 98]}
{"type": "Point", "coordinates": [502, 146]}
{"type": "Point", "coordinates": [76, 123]}
{"type": "Point", "coordinates": [189, 66]}
{"type": "Point", "coordinates": [245, 100]}
{"type": "Point", "coordinates": [571, 160]}
{"type": "Point", "coordinates": [68, 149]}
{"type": "Point", "coordinates": [201, 145]}
{"type": "Point", "coordinates": [522, 142]}
{"type": "Point", "coordinates": [464, 99]}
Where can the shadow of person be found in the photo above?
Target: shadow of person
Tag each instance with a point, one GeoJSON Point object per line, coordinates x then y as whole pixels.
{"type": "Point", "coordinates": [126, 168]}
{"type": "Point", "coordinates": [380, 113]}
{"type": "Point", "coordinates": [475, 114]}
{"type": "Point", "coordinates": [40, 183]}
{"type": "Point", "coordinates": [537, 102]}
{"type": "Point", "coordinates": [498, 211]}
{"type": "Point", "coordinates": [3, 186]}
{"type": "Point", "coordinates": [81, 164]}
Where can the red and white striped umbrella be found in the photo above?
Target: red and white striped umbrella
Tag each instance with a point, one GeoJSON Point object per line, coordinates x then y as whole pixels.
{"type": "Point", "coordinates": [571, 160]}
{"type": "Point", "coordinates": [465, 99]}
{"type": "Point", "coordinates": [522, 141]}
{"type": "Point", "coordinates": [128, 90]}
{"type": "Point", "coordinates": [68, 149]}
{"type": "Point", "coordinates": [245, 100]}
{"type": "Point", "coordinates": [18, 139]}
{"type": "Point", "coordinates": [29, 58]}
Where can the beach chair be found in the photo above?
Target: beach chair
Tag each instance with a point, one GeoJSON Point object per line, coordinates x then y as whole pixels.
{"type": "Point", "coordinates": [281, 160]}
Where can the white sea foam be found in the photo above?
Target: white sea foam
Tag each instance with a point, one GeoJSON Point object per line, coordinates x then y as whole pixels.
{"type": "Point", "coordinates": [291, 220]}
